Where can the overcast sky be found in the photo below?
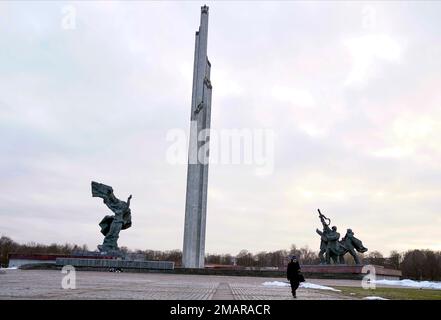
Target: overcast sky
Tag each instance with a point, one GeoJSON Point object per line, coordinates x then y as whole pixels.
{"type": "Point", "coordinates": [352, 91]}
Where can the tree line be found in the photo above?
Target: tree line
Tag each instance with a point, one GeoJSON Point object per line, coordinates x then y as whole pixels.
{"type": "Point", "coordinates": [414, 264]}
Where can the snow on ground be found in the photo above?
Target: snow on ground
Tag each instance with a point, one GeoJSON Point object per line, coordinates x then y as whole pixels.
{"type": "Point", "coordinates": [276, 284]}
{"type": "Point", "coordinates": [374, 298]}
{"type": "Point", "coordinates": [411, 283]}
{"type": "Point", "coordinates": [306, 285]}
{"type": "Point", "coordinates": [11, 268]}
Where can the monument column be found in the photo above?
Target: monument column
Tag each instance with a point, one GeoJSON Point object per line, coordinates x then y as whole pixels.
{"type": "Point", "coordinates": [193, 254]}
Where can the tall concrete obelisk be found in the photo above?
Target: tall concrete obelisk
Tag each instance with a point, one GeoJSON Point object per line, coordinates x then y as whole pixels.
{"type": "Point", "coordinates": [193, 254]}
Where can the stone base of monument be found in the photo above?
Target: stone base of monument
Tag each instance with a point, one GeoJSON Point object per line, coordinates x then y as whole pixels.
{"type": "Point", "coordinates": [20, 260]}
{"type": "Point", "coordinates": [348, 272]}
{"type": "Point", "coordinates": [92, 261]}
{"type": "Point", "coordinates": [115, 264]}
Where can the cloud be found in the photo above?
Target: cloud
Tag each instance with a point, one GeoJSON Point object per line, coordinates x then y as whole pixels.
{"type": "Point", "coordinates": [367, 52]}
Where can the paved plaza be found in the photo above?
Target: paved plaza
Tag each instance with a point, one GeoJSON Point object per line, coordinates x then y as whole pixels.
{"type": "Point", "coordinates": [47, 284]}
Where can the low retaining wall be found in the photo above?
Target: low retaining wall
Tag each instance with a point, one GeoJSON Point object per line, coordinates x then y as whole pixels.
{"type": "Point", "coordinates": [349, 271]}
{"type": "Point", "coordinates": [114, 263]}
{"type": "Point", "coordinates": [19, 260]}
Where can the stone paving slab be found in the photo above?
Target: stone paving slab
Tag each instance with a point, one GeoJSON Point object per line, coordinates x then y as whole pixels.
{"type": "Point", "coordinates": [46, 284]}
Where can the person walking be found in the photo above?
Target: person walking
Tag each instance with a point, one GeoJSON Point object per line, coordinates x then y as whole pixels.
{"type": "Point", "coordinates": [293, 275]}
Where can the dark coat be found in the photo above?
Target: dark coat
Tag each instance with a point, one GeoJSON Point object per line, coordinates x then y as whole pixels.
{"type": "Point", "coordinates": [293, 271]}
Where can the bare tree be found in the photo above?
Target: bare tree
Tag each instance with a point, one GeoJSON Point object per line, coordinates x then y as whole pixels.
{"type": "Point", "coordinates": [395, 259]}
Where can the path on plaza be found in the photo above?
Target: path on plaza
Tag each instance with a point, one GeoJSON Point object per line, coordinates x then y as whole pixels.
{"type": "Point", "coordinates": [46, 284]}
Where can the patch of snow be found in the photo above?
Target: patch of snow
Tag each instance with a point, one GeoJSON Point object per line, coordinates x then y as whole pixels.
{"type": "Point", "coordinates": [11, 268]}
{"type": "Point", "coordinates": [276, 284]}
{"type": "Point", "coordinates": [306, 285]}
{"type": "Point", "coordinates": [374, 298]}
{"type": "Point", "coordinates": [411, 284]}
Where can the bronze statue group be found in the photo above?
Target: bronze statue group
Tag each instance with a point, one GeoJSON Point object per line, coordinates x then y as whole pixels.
{"type": "Point", "coordinates": [112, 225]}
{"type": "Point", "coordinates": [331, 248]}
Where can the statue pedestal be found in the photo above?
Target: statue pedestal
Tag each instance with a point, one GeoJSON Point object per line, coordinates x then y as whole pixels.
{"type": "Point", "coordinates": [344, 271]}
